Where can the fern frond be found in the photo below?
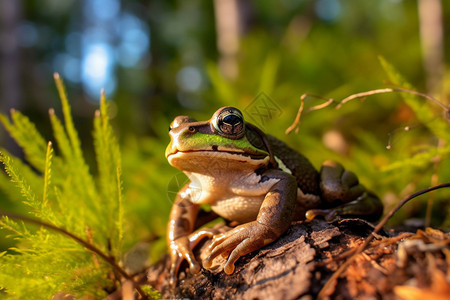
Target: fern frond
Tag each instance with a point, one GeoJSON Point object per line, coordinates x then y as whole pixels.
{"type": "Point", "coordinates": [44, 274]}
{"type": "Point", "coordinates": [30, 198]}
{"type": "Point", "coordinates": [420, 160]}
{"type": "Point", "coordinates": [66, 197]}
{"type": "Point", "coordinates": [32, 178]}
{"type": "Point", "coordinates": [60, 136]}
{"type": "Point", "coordinates": [22, 185]}
{"type": "Point", "coordinates": [70, 127]}
{"type": "Point", "coordinates": [26, 135]}
{"type": "Point", "coordinates": [76, 160]}
{"type": "Point", "coordinates": [67, 174]}
{"type": "Point", "coordinates": [119, 219]}
{"type": "Point", "coordinates": [47, 174]}
{"type": "Point", "coordinates": [109, 163]}
{"type": "Point", "coordinates": [17, 229]}
{"type": "Point", "coordinates": [437, 125]}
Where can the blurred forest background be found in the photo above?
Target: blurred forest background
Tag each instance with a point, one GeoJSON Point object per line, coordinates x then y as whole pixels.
{"type": "Point", "coordinates": [159, 59]}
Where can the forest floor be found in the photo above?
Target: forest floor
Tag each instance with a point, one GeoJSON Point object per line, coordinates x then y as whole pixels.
{"type": "Point", "coordinates": [312, 261]}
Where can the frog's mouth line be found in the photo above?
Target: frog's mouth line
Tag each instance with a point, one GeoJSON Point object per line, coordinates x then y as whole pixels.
{"type": "Point", "coordinates": [220, 154]}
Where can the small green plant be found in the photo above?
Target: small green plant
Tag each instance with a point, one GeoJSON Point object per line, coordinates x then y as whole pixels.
{"type": "Point", "coordinates": [58, 189]}
{"type": "Point", "coordinates": [422, 160]}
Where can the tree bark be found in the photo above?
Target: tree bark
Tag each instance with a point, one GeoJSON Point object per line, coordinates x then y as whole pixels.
{"type": "Point", "coordinates": [301, 261]}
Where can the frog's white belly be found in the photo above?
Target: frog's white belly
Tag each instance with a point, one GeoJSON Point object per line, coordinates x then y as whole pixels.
{"type": "Point", "coordinates": [242, 209]}
{"type": "Point", "coordinates": [235, 198]}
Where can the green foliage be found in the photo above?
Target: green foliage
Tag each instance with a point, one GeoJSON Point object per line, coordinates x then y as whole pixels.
{"type": "Point", "coordinates": [60, 190]}
{"type": "Point", "coordinates": [423, 111]}
{"type": "Point", "coordinates": [416, 155]}
{"type": "Point", "coordinates": [429, 157]}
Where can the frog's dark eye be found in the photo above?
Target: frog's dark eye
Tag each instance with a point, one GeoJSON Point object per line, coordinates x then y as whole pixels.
{"type": "Point", "coordinates": [229, 122]}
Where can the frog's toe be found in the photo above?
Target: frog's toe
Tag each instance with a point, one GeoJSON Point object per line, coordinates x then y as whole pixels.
{"type": "Point", "coordinates": [194, 267]}
{"type": "Point", "coordinates": [239, 241]}
{"type": "Point", "coordinates": [174, 267]}
{"type": "Point", "coordinates": [197, 236]}
{"type": "Point", "coordinates": [229, 267]}
{"type": "Point", "coordinates": [222, 244]}
{"type": "Point", "coordinates": [330, 215]}
{"type": "Point", "coordinates": [367, 206]}
{"type": "Point", "coordinates": [243, 248]}
{"type": "Point", "coordinates": [180, 250]}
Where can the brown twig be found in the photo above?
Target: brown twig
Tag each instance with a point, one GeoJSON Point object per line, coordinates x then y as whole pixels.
{"type": "Point", "coordinates": [296, 124]}
{"type": "Point", "coordinates": [391, 90]}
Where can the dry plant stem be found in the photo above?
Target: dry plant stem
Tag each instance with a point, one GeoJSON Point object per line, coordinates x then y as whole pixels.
{"type": "Point", "coordinates": [391, 90]}
{"type": "Point", "coordinates": [80, 241]}
{"type": "Point", "coordinates": [91, 241]}
{"type": "Point", "coordinates": [363, 246]}
{"type": "Point", "coordinates": [296, 124]}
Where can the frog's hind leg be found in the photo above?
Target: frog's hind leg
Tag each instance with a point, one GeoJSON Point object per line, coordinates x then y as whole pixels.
{"type": "Point", "coordinates": [367, 206]}
{"type": "Point", "coordinates": [341, 190]}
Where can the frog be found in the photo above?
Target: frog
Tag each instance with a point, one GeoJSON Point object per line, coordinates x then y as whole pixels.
{"type": "Point", "coordinates": [254, 181]}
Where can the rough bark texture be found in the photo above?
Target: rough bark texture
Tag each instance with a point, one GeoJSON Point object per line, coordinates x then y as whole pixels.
{"type": "Point", "coordinates": [298, 264]}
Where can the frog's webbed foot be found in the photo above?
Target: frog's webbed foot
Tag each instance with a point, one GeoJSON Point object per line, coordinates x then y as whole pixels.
{"type": "Point", "coordinates": [338, 184]}
{"type": "Point", "coordinates": [237, 242]}
{"type": "Point", "coordinates": [341, 188]}
{"type": "Point", "coordinates": [181, 249]}
{"type": "Point", "coordinates": [367, 206]}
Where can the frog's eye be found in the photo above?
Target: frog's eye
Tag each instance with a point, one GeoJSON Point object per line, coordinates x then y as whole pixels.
{"type": "Point", "coordinates": [229, 122]}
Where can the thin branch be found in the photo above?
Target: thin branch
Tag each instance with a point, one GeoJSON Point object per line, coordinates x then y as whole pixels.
{"type": "Point", "coordinates": [391, 90]}
{"type": "Point", "coordinates": [296, 124]}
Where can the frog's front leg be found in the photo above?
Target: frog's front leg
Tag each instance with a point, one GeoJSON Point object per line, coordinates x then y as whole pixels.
{"type": "Point", "coordinates": [341, 188]}
{"type": "Point", "coordinates": [180, 238]}
{"type": "Point", "coordinates": [274, 217]}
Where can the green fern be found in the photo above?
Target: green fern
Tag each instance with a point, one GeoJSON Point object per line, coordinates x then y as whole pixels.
{"type": "Point", "coordinates": [426, 115]}
{"type": "Point", "coordinates": [424, 159]}
{"type": "Point", "coordinates": [419, 160]}
{"type": "Point", "coordinates": [424, 112]}
{"type": "Point", "coordinates": [59, 190]}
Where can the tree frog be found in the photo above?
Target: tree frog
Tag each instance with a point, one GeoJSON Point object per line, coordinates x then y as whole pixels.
{"type": "Point", "coordinates": [254, 180]}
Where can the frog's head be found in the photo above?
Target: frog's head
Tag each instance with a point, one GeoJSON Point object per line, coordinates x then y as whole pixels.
{"type": "Point", "coordinates": [225, 140]}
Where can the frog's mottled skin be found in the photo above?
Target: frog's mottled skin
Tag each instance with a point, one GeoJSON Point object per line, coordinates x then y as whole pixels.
{"type": "Point", "coordinates": [254, 180]}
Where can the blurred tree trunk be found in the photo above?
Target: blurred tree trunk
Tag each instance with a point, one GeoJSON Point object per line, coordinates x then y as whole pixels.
{"type": "Point", "coordinates": [9, 54]}
{"type": "Point", "coordinates": [432, 39]}
{"type": "Point", "coordinates": [228, 27]}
